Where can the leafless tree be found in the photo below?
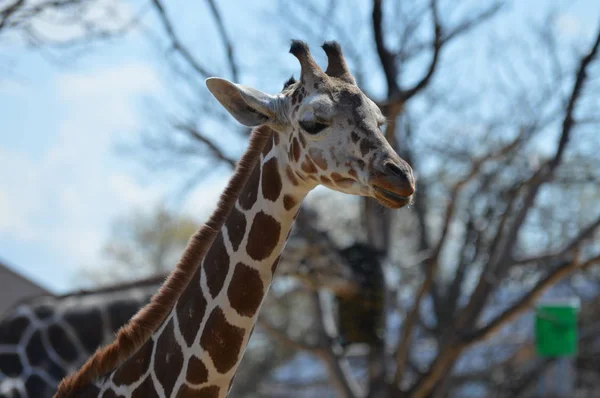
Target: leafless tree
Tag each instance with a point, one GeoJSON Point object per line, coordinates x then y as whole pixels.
{"type": "Point", "coordinates": [495, 205]}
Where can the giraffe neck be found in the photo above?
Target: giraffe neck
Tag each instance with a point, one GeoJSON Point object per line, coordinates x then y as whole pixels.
{"type": "Point", "coordinates": [198, 347]}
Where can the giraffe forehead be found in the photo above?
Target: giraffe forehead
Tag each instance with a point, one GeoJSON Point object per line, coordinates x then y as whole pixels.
{"type": "Point", "coordinates": [316, 105]}
{"type": "Point", "coordinates": [339, 98]}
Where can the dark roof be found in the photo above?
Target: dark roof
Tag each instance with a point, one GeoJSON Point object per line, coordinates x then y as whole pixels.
{"type": "Point", "coordinates": [15, 287]}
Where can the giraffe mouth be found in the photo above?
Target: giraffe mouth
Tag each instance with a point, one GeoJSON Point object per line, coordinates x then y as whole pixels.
{"type": "Point", "coordinates": [390, 199]}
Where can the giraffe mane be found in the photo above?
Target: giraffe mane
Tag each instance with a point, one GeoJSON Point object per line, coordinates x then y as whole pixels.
{"type": "Point", "coordinates": [141, 326]}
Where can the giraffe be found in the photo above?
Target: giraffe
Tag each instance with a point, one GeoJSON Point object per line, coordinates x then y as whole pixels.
{"type": "Point", "coordinates": [190, 339]}
{"type": "Point", "coordinates": [45, 338]}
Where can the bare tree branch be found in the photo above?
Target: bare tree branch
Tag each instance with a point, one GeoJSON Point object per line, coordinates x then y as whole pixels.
{"type": "Point", "coordinates": [325, 349]}
{"type": "Point", "coordinates": [436, 47]}
{"type": "Point", "coordinates": [401, 354]}
{"type": "Point", "coordinates": [193, 133]}
{"type": "Point", "coordinates": [500, 259]}
{"type": "Point", "coordinates": [475, 169]}
{"type": "Point", "coordinates": [546, 172]}
{"type": "Point", "coordinates": [226, 40]}
{"type": "Point", "coordinates": [457, 31]}
{"type": "Point", "coordinates": [8, 11]}
{"type": "Point", "coordinates": [331, 354]}
{"type": "Point", "coordinates": [440, 39]}
{"type": "Point", "coordinates": [283, 337]}
{"type": "Point", "coordinates": [572, 245]}
{"type": "Point", "coordinates": [525, 302]}
{"type": "Point", "coordinates": [388, 62]}
{"type": "Point", "coordinates": [176, 43]}
{"type": "Point", "coordinates": [431, 264]}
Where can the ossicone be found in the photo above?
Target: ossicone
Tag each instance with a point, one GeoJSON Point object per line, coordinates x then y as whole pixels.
{"type": "Point", "coordinates": [336, 64]}
{"type": "Point", "coordinates": [310, 73]}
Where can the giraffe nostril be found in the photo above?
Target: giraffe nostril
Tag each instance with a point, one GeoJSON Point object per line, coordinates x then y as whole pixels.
{"type": "Point", "coordinates": [402, 174]}
{"type": "Point", "coordinates": [395, 169]}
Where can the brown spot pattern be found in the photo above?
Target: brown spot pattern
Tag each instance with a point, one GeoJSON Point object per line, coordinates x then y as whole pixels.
{"type": "Point", "coordinates": [268, 147]}
{"type": "Point", "coordinates": [271, 180]}
{"type": "Point", "coordinates": [290, 175]}
{"type": "Point", "coordinates": [191, 307]}
{"type": "Point", "coordinates": [276, 138]}
{"type": "Point", "coordinates": [366, 146]}
{"type": "Point", "coordinates": [354, 137]}
{"type": "Point", "coordinates": [317, 156]}
{"type": "Point", "coordinates": [250, 191]}
{"type": "Point", "coordinates": [325, 180]}
{"type": "Point", "coordinates": [332, 152]}
{"type": "Point", "coordinates": [216, 265]}
{"type": "Point", "coordinates": [301, 176]}
{"type": "Point", "coordinates": [345, 183]}
{"type": "Point", "coordinates": [336, 176]}
{"type": "Point", "coordinates": [353, 173]}
{"type": "Point", "coordinates": [288, 201]}
{"type": "Point", "coordinates": [131, 370]}
{"type": "Point", "coordinates": [295, 149]}
{"type": "Point", "coordinates": [236, 227]}
{"type": "Point", "coordinates": [168, 356]}
{"type": "Point", "coordinates": [263, 236]}
{"type": "Point", "coordinates": [145, 390]}
{"type": "Point", "coordinates": [308, 166]}
{"type": "Point", "coordinates": [222, 341]}
{"type": "Point", "coordinates": [204, 392]}
{"type": "Point", "coordinates": [246, 290]}
{"type": "Point", "coordinates": [196, 372]}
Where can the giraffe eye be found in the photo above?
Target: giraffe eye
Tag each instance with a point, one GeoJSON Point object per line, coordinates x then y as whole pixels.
{"type": "Point", "coordinates": [312, 127]}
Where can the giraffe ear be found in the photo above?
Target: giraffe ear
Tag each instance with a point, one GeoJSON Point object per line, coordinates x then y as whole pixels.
{"type": "Point", "coordinates": [248, 106]}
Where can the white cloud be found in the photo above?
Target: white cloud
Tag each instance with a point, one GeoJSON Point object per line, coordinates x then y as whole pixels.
{"type": "Point", "coordinates": [569, 24]}
{"type": "Point", "coordinates": [58, 25]}
{"type": "Point", "coordinates": [17, 195]}
{"type": "Point", "coordinates": [135, 78]}
{"type": "Point", "coordinates": [203, 200]}
{"type": "Point", "coordinates": [64, 198]}
{"type": "Point", "coordinates": [131, 194]}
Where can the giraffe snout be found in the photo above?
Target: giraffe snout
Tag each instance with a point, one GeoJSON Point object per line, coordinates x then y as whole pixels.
{"type": "Point", "coordinates": [393, 184]}
{"type": "Point", "coordinates": [402, 173]}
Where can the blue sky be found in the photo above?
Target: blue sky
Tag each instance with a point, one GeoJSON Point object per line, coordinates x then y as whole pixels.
{"type": "Point", "coordinates": [61, 180]}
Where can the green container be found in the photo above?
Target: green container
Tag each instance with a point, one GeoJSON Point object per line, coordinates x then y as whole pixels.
{"type": "Point", "coordinates": [556, 331]}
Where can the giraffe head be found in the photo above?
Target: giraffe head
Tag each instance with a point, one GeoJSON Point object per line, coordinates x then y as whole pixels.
{"type": "Point", "coordinates": [330, 130]}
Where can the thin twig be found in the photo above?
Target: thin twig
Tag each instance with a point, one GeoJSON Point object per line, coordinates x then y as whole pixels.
{"type": "Point", "coordinates": [500, 258]}
{"type": "Point", "coordinates": [283, 337]}
{"type": "Point", "coordinates": [193, 133]}
{"type": "Point", "coordinates": [436, 47]}
{"type": "Point", "coordinates": [525, 302]}
{"type": "Point", "coordinates": [226, 40]}
{"type": "Point", "coordinates": [585, 233]}
{"type": "Point", "coordinates": [176, 43]}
